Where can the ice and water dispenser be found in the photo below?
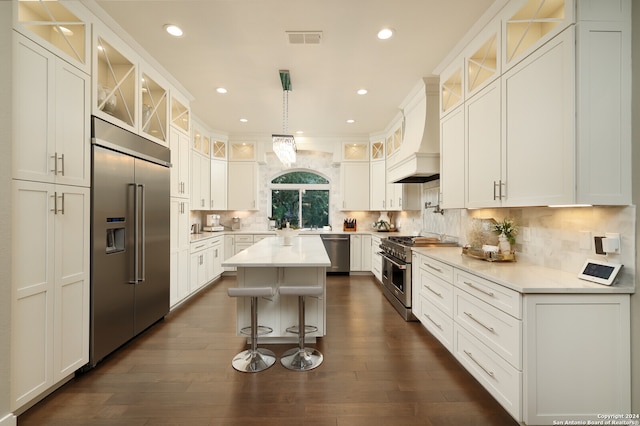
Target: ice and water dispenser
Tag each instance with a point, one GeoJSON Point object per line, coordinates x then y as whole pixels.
{"type": "Point", "coordinates": [115, 235]}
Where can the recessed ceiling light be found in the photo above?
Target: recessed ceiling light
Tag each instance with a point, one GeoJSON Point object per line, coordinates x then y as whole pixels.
{"type": "Point", "coordinates": [243, 120]}
{"type": "Point", "coordinates": [351, 121]}
{"type": "Point", "coordinates": [362, 92]}
{"type": "Point", "coordinates": [173, 30]}
{"type": "Point", "coordinates": [385, 33]}
{"type": "Point", "coordinates": [221, 90]}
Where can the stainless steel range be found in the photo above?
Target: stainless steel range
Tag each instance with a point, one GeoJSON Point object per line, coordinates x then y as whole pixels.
{"type": "Point", "coordinates": [396, 269]}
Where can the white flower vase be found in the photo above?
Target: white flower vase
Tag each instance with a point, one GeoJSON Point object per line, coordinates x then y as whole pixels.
{"type": "Point", "coordinates": [504, 244]}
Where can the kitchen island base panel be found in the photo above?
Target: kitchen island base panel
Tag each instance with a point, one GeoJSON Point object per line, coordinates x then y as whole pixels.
{"type": "Point", "coordinates": [281, 311]}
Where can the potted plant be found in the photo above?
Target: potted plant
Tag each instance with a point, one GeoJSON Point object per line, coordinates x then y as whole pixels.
{"type": "Point", "coordinates": [507, 231]}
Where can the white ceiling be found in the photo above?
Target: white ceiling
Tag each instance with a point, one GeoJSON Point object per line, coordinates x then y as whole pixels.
{"type": "Point", "coordinates": [241, 45]}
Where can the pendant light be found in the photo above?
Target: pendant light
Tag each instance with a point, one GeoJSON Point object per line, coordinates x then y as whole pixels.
{"type": "Point", "coordinates": [284, 145]}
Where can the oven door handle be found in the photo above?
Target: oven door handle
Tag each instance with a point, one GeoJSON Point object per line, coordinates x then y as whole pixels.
{"type": "Point", "coordinates": [400, 266]}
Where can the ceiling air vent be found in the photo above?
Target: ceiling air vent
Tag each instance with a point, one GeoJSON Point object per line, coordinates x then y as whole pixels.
{"type": "Point", "coordinates": [304, 37]}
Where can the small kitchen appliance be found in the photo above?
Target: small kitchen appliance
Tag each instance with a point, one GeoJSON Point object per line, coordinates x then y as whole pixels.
{"type": "Point", "coordinates": [235, 224]}
{"type": "Point", "coordinates": [213, 223]}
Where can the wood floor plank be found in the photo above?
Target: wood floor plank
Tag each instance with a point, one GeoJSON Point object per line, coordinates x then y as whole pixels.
{"type": "Point", "coordinates": [378, 370]}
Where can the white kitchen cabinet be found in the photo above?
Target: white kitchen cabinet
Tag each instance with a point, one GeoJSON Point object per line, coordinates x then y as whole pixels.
{"type": "Point", "coordinates": [40, 22]}
{"type": "Point", "coordinates": [50, 286]}
{"type": "Point", "coordinates": [539, 126]}
{"type": "Point", "coordinates": [116, 81]}
{"type": "Point", "coordinates": [366, 252]}
{"type": "Point", "coordinates": [180, 153]}
{"type": "Point", "coordinates": [603, 109]}
{"type": "Point", "coordinates": [153, 106]}
{"type": "Point", "coordinates": [200, 181]}
{"type": "Point", "coordinates": [378, 186]}
{"type": "Point", "coordinates": [205, 264]}
{"type": "Point", "coordinates": [354, 185]}
{"type": "Point", "coordinates": [360, 253]}
{"type": "Point", "coordinates": [572, 339]}
{"type": "Point", "coordinates": [452, 87]}
{"type": "Point", "coordinates": [52, 131]}
{"type": "Point", "coordinates": [180, 113]}
{"type": "Point", "coordinates": [229, 250]}
{"type": "Point", "coordinates": [355, 250]}
{"type": "Point", "coordinates": [484, 149]}
{"type": "Point", "coordinates": [218, 184]}
{"type": "Point", "coordinates": [179, 253]}
{"type": "Point", "coordinates": [355, 151]}
{"type": "Point", "coordinates": [376, 258]}
{"type": "Point", "coordinates": [482, 59]}
{"type": "Point", "coordinates": [452, 164]}
{"type": "Point", "coordinates": [242, 183]}
{"type": "Point", "coordinates": [529, 24]}
{"type": "Point", "coordinates": [403, 196]}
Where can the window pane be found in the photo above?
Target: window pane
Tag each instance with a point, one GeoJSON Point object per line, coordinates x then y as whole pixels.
{"type": "Point", "coordinates": [315, 208]}
{"type": "Point", "coordinates": [285, 205]}
{"type": "Point", "coordinates": [300, 177]}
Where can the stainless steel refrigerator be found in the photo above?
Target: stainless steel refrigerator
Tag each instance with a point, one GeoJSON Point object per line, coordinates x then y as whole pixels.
{"type": "Point", "coordinates": [130, 236]}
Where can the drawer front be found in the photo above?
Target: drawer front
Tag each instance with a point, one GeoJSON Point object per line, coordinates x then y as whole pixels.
{"type": "Point", "coordinates": [437, 322]}
{"type": "Point", "coordinates": [501, 379]}
{"type": "Point", "coordinates": [437, 291]}
{"type": "Point", "coordinates": [199, 246]}
{"type": "Point", "coordinates": [244, 238]}
{"type": "Point", "coordinates": [505, 299]}
{"type": "Point", "coordinates": [439, 269]}
{"type": "Point", "coordinates": [257, 238]}
{"type": "Point", "coordinates": [499, 331]}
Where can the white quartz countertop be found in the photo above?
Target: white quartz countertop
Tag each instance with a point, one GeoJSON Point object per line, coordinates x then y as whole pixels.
{"type": "Point", "coordinates": [304, 251]}
{"type": "Point", "coordinates": [520, 276]}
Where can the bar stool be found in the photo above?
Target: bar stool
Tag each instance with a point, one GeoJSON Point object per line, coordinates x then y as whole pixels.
{"type": "Point", "coordinates": [254, 359]}
{"type": "Point", "coordinates": [301, 358]}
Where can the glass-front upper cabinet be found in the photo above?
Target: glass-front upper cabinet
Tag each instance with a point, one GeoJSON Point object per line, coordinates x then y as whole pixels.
{"type": "Point", "coordinates": [534, 23]}
{"type": "Point", "coordinates": [219, 150]}
{"type": "Point", "coordinates": [482, 60]}
{"type": "Point", "coordinates": [180, 114]}
{"type": "Point", "coordinates": [451, 87]}
{"type": "Point", "coordinates": [62, 28]}
{"type": "Point", "coordinates": [355, 151]}
{"type": "Point", "coordinates": [242, 151]}
{"type": "Point", "coordinates": [377, 150]}
{"type": "Point", "coordinates": [153, 108]}
{"type": "Point", "coordinates": [116, 84]}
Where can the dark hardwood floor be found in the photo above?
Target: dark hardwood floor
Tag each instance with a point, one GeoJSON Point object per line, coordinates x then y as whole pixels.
{"type": "Point", "coordinates": [377, 370]}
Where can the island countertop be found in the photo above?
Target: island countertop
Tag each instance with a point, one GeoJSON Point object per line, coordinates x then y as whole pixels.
{"type": "Point", "coordinates": [304, 251]}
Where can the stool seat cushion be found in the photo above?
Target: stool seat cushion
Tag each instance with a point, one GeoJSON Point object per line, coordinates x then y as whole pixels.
{"type": "Point", "coordinates": [250, 291]}
{"type": "Point", "coordinates": [301, 290]}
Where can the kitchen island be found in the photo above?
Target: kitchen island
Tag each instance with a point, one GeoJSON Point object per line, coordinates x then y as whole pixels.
{"type": "Point", "coordinates": [271, 263]}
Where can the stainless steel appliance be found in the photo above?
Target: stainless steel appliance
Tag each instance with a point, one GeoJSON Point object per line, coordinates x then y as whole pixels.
{"type": "Point", "coordinates": [396, 269]}
{"type": "Point", "coordinates": [338, 248]}
{"type": "Point", "coordinates": [130, 236]}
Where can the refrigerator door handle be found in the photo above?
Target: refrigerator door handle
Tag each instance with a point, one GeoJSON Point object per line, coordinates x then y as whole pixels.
{"type": "Point", "coordinates": [136, 230]}
{"type": "Point", "coordinates": [143, 234]}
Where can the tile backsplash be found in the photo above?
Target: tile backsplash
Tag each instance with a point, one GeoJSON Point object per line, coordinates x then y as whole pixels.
{"type": "Point", "coordinates": [554, 234]}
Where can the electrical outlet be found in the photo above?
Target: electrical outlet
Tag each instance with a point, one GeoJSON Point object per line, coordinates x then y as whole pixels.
{"type": "Point", "coordinates": [585, 240]}
{"type": "Point", "coordinates": [526, 234]}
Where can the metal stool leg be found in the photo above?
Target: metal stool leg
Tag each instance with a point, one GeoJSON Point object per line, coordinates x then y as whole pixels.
{"type": "Point", "coordinates": [301, 358]}
{"type": "Point", "coordinates": [254, 359]}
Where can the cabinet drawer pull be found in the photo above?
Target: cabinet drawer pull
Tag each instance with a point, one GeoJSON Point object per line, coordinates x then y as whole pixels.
{"type": "Point", "coordinates": [199, 247]}
{"type": "Point", "coordinates": [433, 291]}
{"type": "Point", "coordinates": [434, 323]}
{"type": "Point", "coordinates": [491, 329]}
{"type": "Point", "coordinates": [488, 293]}
{"type": "Point", "coordinates": [470, 355]}
{"type": "Point", "coordinates": [433, 267]}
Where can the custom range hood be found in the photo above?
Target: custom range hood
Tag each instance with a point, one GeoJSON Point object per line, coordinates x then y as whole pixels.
{"type": "Point", "coordinates": [418, 159]}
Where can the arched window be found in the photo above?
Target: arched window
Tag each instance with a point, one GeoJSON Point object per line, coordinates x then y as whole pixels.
{"type": "Point", "coordinates": [300, 198]}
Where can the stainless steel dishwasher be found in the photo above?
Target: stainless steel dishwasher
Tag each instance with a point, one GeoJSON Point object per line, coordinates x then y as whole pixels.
{"type": "Point", "coordinates": [338, 248]}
